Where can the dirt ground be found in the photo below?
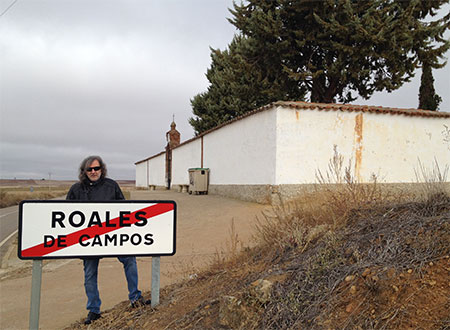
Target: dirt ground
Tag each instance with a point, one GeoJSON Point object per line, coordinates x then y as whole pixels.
{"type": "Point", "coordinates": [203, 229]}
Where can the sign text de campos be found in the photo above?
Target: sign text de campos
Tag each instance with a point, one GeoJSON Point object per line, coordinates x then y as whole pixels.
{"type": "Point", "coordinates": [70, 229]}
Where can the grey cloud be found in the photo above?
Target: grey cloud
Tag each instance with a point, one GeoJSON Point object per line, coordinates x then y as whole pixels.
{"type": "Point", "coordinates": [105, 77]}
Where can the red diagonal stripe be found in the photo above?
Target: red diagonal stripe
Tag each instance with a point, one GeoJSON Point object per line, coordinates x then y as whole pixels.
{"type": "Point", "coordinates": [74, 238]}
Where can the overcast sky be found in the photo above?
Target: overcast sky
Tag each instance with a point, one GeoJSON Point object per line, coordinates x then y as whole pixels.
{"type": "Point", "coordinates": [82, 77]}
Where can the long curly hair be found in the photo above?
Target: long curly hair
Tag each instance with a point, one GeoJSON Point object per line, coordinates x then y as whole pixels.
{"type": "Point", "coordinates": [82, 176]}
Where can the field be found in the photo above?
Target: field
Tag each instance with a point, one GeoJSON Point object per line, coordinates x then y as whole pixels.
{"type": "Point", "coordinates": [14, 191]}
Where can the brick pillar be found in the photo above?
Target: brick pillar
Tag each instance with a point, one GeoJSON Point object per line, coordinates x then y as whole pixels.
{"type": "Point", "coordinates": [173, 140]}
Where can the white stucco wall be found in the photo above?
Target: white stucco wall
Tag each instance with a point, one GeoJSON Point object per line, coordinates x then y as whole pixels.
{"type": "Point", "coordinates": [141, 174]}
{"type": "Point", "coordinates": [243, 152]}
{"type": "Point", "coordinates": [382, 144]}
{"type": "Point", "coordinates": [393, 145]}
{"type": "Point", "coordinates": [157, 170]}
{"type": "Point", "coordinates": [305, 142]}
{"type": "Point", "coordinates": [184, 157]}
{"type": "Point", "coordinates": [282, 145]}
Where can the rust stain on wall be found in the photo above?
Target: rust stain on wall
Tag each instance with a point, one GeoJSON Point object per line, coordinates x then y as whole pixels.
{"type": "Point", "coordinates": [297, 115]}
{"type": "Point", "coordinates": [358, 145]}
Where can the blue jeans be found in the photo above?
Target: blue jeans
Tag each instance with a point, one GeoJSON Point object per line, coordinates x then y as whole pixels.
{"type": "Point", "coordinates": [91, 287]}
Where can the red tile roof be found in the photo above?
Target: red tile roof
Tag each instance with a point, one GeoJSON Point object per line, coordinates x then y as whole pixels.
{"type": "Point", "coordinates": [362, 108]}
{"type": "Point", "coordinates": [148, 158]}
{"type": "Point", "coordinates": [300, 105]}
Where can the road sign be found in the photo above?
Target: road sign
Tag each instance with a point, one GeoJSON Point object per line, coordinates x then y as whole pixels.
{"type": "Point", "coordinates": [74, 229]}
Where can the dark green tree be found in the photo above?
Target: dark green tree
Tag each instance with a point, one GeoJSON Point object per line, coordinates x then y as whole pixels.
{"type": "Point", "coordinates": [428, 99]}
{"type": "Point", "coordinates": [430, 56]}
{"type": "Point", "coordinates": [242, 78]}
{"type": "Point", "coordinates": [334, 50]}
{"type": "Point", "coordinates": [339, 48]}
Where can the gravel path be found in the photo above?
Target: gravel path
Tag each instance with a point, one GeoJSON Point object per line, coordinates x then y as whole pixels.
{"type": "Point", "coordinates": [203, 229]}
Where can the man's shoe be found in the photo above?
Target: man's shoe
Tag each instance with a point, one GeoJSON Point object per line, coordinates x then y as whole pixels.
{"type": "Point", "coordinates": [91, 317]}
{"type": "Point", "coordinates": [140, 302]}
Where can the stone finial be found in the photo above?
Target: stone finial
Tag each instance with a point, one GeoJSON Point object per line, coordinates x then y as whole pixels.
{"type": "Point", "coordinates": [173, 136]}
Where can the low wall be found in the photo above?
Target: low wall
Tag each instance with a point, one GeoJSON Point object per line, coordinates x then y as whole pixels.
{"type": "Point", "coordinates": [250, 193]}
{"type": "Point", "coordinates": [273, 194]}
{"type": "Point", "coordinates": [263, 194]}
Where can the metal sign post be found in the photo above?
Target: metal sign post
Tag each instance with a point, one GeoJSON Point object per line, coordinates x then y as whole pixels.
{"type": "Point", "coordinates": [75, 229]}
{"type": "Point", "coordinates": [155, 281]}
{"type": "Point", "coordinates": [35, 304]}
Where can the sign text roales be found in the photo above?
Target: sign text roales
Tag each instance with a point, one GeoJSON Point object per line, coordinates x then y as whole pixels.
{"type": "Point", "coordinates": [70, 229]}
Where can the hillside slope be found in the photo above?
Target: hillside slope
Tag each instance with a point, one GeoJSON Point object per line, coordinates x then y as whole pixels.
{"type": "Point", "coordinates": [343, 263]}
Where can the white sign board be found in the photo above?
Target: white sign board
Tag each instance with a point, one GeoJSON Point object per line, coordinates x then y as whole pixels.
{"type": "Point", "coordinates": [73, 229]}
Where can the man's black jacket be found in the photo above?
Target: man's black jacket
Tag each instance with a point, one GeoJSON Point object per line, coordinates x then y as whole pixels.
{"type": "Point", "coordinates": [104, 189]}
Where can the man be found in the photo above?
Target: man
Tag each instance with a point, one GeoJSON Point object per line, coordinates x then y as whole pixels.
{"type": "Point", "coordinates": [93, 185]}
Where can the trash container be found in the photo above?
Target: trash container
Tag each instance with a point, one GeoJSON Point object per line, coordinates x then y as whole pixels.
{"type": "Point", "coordinates": [198, 180]}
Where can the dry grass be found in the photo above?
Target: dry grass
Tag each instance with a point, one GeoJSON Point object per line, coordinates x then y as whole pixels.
{"type": "Point", "coordinates": [395, 238]}
{"type": "Point", "coordinates": [347, 256]}
{"type": "Point", "coordinates": [13, 196]}
{"type": "Point", "coordinates": [344, 193]}
{"type": "Point", "coordinates": [340, 231]}
{"type": "Point", "coordinates": [383, 268]}
{"type": "Point", "coordinates": [229, 256]}
{"type": "Point", "coordinates": [337, 197]}
{"type": "Point", "coordinates": [354, 228]}
{"type": "Point", "coordinates": [432, 181]}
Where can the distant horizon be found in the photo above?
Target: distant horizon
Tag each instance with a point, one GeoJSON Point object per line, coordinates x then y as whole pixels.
{"type": "Point", "coordinates": [43, 179]}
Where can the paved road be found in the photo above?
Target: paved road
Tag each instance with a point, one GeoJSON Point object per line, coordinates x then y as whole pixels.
{"type": "Point", "coordinates": [8, 221]}
{"type": "Point", "coordinates": [203, 231]}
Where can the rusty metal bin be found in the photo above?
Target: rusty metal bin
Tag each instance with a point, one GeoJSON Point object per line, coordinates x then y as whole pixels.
{"type": "Point", "coordinates": [198, 180]}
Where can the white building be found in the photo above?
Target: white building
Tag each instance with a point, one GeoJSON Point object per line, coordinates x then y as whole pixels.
{"type": "Point", "coordinates": [279, 148]}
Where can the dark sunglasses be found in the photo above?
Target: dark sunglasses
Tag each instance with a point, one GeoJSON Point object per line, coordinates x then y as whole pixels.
{"type": "Point", "coordinates": [96, 168]}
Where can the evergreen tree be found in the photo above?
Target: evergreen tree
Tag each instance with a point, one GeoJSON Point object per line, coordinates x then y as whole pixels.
{"type": "Point", "coordinates": [339, 47]}
{"type": "Point", "coordinates": [243, 77]}
{"type": "Point", "coordinates": [428, 99]}
{"type": "Point", "coordinates": [428, 56]}
{"type": "Point", "coordinates": [334, 50]}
